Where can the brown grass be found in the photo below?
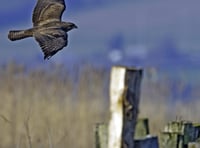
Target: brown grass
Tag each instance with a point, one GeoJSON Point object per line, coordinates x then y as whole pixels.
{"type": "Point", "coordinates": [43, 109]}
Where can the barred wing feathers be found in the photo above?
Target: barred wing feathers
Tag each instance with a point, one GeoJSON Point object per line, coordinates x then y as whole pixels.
{"type": "Point", "coordinates": [47, 11]}
{"type": "Point", "coordinates": [51, 41]}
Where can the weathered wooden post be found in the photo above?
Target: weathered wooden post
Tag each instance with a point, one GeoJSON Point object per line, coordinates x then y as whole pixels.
{"type": "Point", "coordinates": [180, 134]}
{"type": "Point", "coordinates": [101, 135]}
{"type": "Point", "coordinates": [142, 128]}
{"type": "Point", "coordinates": [124, 105]}
{"type": "Point", "coordinates": [194, 145]}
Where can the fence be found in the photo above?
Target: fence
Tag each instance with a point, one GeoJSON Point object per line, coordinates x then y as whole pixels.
{"type": "Point", "coordinates": [124, 130]}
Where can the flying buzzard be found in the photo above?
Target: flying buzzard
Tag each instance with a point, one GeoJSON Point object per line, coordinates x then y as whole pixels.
{"type": "Point", "coordinates": [48, 29]}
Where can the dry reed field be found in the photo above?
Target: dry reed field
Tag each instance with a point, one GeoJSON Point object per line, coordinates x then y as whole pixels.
{"type": "Point", "coordinates": [53, 109]}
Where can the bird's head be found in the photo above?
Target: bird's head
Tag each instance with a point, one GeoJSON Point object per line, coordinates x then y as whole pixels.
{"type": "Point", "coordinates": [67, 26]}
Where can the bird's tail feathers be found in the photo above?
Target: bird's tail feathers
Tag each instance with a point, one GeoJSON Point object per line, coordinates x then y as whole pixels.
{"type": "Point", "coordinates": [19, 34]}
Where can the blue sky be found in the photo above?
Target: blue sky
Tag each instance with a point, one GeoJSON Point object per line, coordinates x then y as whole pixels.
{"type": "Point", "coordinates": [15, 11]}
{"type": "Point", "coordinates": [140, 22]}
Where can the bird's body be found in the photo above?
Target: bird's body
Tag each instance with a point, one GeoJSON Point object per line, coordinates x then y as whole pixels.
{"type": "Point", "coordinates": [48, 29]}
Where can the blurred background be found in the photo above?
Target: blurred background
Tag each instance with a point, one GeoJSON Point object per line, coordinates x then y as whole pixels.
{"type": "Point", "coordinates": [55, 103]}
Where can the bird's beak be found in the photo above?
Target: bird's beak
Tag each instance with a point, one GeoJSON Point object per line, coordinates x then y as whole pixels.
{"type": "Point", "coordinates": [76, 27]}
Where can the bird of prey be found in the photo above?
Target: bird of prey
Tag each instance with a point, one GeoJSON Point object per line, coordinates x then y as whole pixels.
{"type": "Point", "coordinates": [48, 29]}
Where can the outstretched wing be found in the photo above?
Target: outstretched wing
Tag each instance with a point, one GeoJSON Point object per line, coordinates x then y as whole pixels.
{"type": "Point", "coordinates": [47, 11]}
{"type": "Point", "coordinates": [51, 41]}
